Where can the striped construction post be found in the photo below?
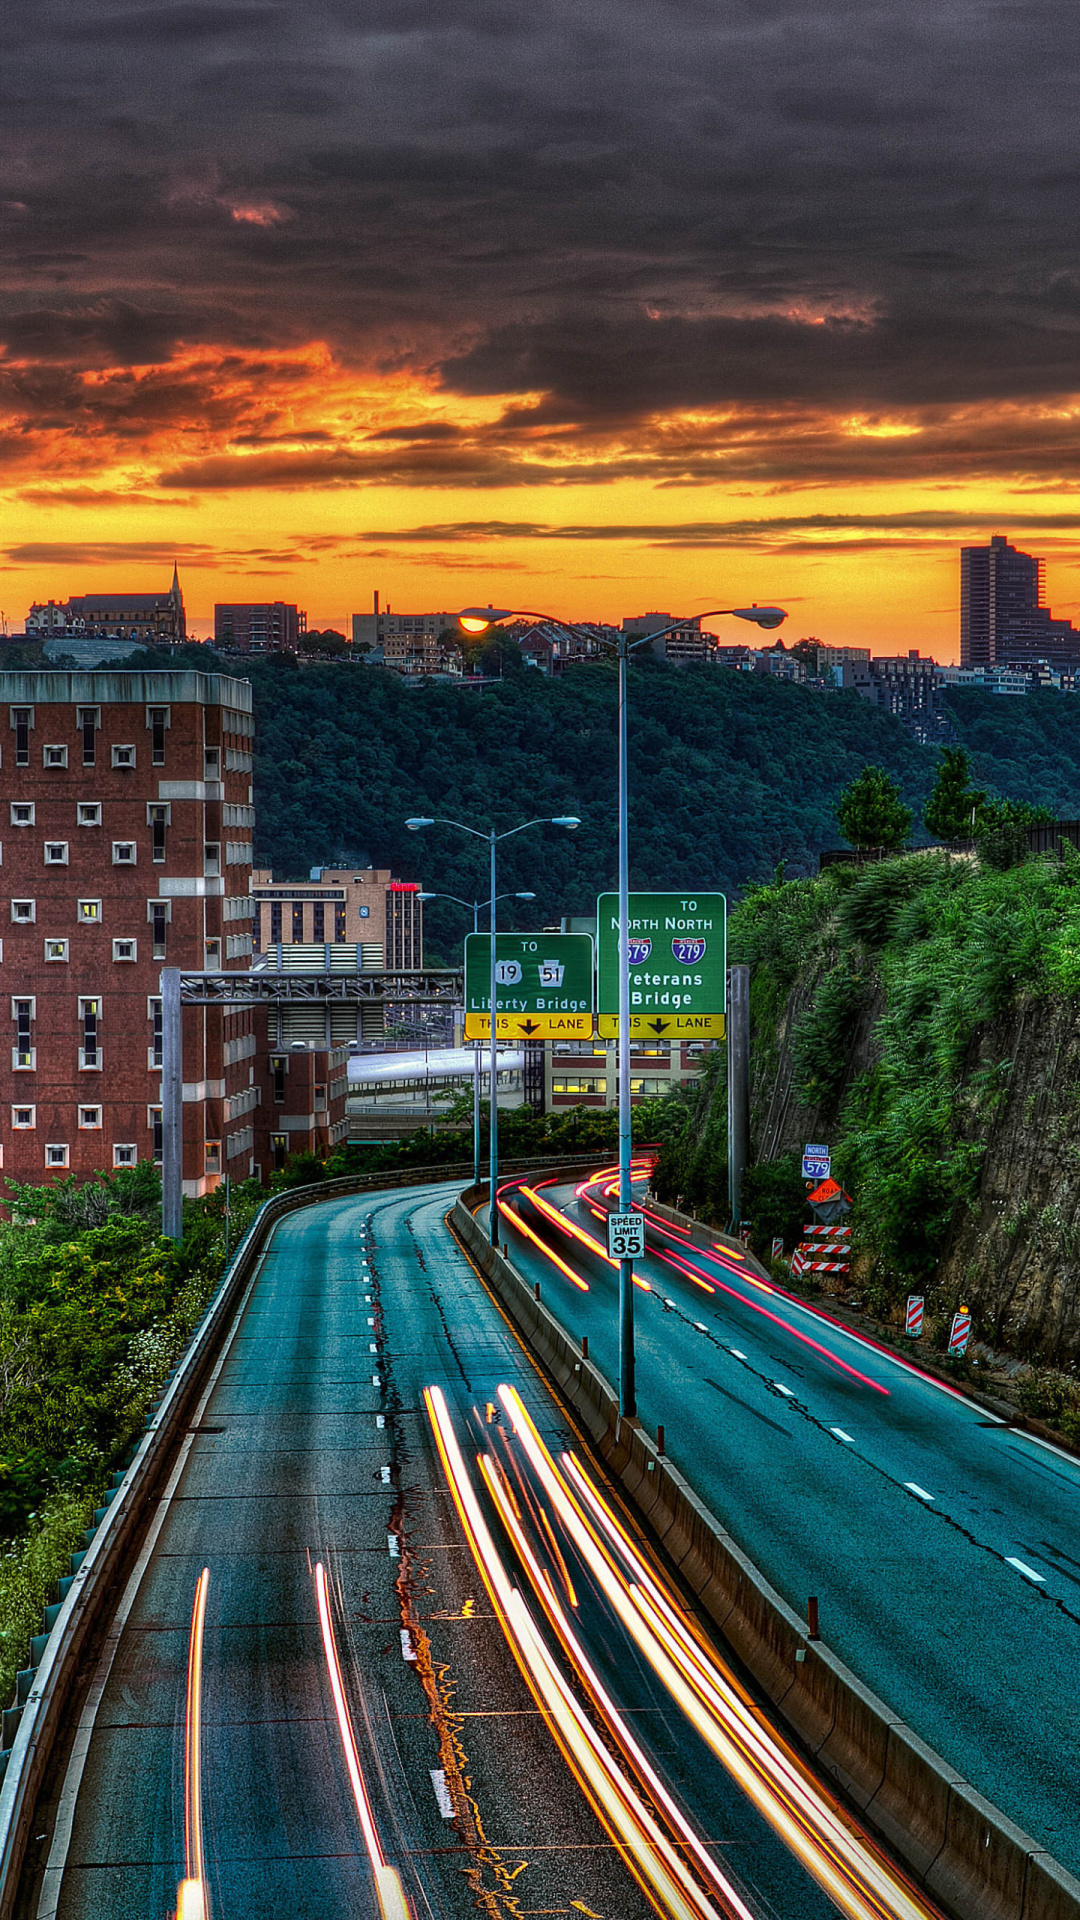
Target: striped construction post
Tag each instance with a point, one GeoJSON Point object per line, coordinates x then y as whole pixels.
{"type": "Point", "coordinates": [778, 1246]}
{"type": "Point", "coordinates": [960, 1332]}
{"type": "Point", "coordinates": [913, 1318]}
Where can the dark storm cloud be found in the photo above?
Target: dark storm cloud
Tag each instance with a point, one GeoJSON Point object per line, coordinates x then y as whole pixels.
{"type": "Point", "coordinates": [627, 209]}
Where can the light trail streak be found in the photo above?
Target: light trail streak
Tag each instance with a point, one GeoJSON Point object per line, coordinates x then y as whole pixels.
{"type": "Point", "coordinates": [516, 1220]}
{"type": "Point", "coordinates": [192, 1897]}
{"type": "Point", "coordinates": [647, 1852]}
{"type": "Point", "coordinates": [388, 1889]}
{"type": "Point", "coordinates": [575, 1233]}
{"type": "Point", "coordinates": [845, 1863]}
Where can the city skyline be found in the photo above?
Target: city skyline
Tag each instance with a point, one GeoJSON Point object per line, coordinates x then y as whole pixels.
{"type": "Point", "coordinates": [669, 309]}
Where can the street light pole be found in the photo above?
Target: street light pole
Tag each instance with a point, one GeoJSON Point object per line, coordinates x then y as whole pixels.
{"type": "Point", "coordinates": [571, 822]}
{"type": "Point", "coordinates": [476, 620]}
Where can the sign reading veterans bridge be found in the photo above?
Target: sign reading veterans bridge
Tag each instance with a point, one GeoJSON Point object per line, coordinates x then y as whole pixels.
{"type": "Point", "coordinates": [678, 965]}
{"type": "Point", "coordinates": [543, 986]}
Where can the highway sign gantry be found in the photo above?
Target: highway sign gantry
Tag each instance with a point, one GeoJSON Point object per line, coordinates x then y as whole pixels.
{"type": "Point", "coordinates": [678, 965]}
{"type": "Point", "coordinates": [543, 986]}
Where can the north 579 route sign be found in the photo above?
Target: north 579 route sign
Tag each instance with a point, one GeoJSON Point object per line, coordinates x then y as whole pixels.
{"type": "Point", "coordinates": [678, 965]}
{"type": "Point", "coordinates": [543, 986]}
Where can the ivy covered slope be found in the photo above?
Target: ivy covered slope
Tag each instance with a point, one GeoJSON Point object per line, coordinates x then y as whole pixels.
{"type": "Point", "coordinates": [923, 1016]}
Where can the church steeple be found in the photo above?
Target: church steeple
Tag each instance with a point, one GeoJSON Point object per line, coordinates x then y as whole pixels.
{"type": "Point", "coordinates": [175, 588]}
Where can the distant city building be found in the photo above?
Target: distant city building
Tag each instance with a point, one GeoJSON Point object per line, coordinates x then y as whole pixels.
{"type": "Point", "coordinates": [152, 619]}
{"type": "Point", "coordinates": [1002, 618]}
{"type": "Point", "coordinates": [684, 644]}
{"type": "Point", "coordinates": [1013, 681]}
{"type": "Point", "coordinates": [827, 663]}
{"type": "Point", "coordinates": [414, 644]}
{"type": "Point", "coordinates": [381, 917]}
{"type": "Point", "coordinates": [905, 685]}
{"type": "Point", "coordinates": [260, 626]}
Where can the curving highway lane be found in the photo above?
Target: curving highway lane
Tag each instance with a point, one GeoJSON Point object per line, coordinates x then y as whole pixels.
{"type": "Point", "coordinates": [943, 1545]}
{"type": "Point", "coordinates": [306, 1703]}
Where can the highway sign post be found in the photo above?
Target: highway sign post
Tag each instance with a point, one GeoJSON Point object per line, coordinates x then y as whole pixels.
{"type": "Point", "coordinates": [543, 986]}
{"type": "Point", "coordinates": [626, 1236]}
{"type": "Point", "coordinates": [677, 964]}
{"type": "Point", "coordinates": [816, 1163]}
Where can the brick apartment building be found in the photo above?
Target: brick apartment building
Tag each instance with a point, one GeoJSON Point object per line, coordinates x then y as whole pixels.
{"type": "Point", "coordinates": [262, 626]}
{"type": "Point", "coordinates": [371, 910]}
{"type": "Point", "coordinates": [127, 825]}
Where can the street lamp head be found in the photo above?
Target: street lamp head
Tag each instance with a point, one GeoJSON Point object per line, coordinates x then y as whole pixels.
{"type": "Point", "coordinates": [479, 619]}
{"type": "Point", "coordinates": [427, 896]}
{"type": "Point", "coordinates": [419, 821]}
{"type": "Point", "coordinates": [524, 896]}
{"type": "Point", "coordinates": [761, 616]}
{"type": "Point", "coordinates": [568, 820]}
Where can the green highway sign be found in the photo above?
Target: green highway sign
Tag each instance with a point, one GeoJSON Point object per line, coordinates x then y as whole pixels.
{"type": "Point", "coordinates": [543, 986]}
{"type": "Point", "coordinates": [678, 965]}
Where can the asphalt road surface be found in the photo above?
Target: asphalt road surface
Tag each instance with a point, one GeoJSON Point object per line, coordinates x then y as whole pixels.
{"type": "Point", "coordinates": [316, 1448]}
{"type": "Point", "coordinates": [943, 1546]}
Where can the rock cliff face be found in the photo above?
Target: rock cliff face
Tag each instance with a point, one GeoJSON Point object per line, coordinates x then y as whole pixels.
{"type": "Point", "coordinates": [1014, 1253]}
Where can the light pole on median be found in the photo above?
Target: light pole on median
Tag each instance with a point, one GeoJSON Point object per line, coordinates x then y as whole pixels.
{"type": "Point", "coordinates": [474, 907]}
{"type": "Point", "coordinates": [415, 824]}
{"type": "Point", "coordinates": [477, 620]}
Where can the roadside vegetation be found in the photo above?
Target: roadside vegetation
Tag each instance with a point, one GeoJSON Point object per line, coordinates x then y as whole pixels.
{"type": "Point", "coordinates": [95, 1306]}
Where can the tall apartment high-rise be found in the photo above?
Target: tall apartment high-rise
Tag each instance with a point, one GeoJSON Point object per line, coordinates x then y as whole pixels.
{"type": "Point", "coordinates": [1000, 588]}
{"type": "Point", "coordinates": [127, 830]}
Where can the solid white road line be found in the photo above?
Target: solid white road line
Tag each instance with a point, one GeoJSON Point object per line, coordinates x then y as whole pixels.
{"type": "Point", "coordinates": [1029, 1573]}
{"type": "Point", "coordinates": [49, 1899]}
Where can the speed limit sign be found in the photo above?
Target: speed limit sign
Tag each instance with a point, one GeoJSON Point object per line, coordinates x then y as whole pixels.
{"type": "Point", "coordinates": [625, 1236]}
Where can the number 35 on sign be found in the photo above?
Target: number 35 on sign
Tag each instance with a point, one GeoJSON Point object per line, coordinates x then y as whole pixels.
{"type": "Point", "coordinates": [626, 1236]}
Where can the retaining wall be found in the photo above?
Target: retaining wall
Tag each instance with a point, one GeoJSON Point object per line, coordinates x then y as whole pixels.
{"type": "Point", "coordinates": [973, 1860]}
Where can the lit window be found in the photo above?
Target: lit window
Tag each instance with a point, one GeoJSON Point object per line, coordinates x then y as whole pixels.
{"type": "Point", "coordinates": [123, 853]}
{"type": "Point", "coordinates": [56, 949]}
{"type": "Point", "coordinates": [124, 1156]}
{"type": "Point", "coordinates": [213, 1156]}
{"type": "Point", "coordinates": [89, 1119]}
{"type": "Point", "coordinates": [579, 1086]}
{"type": "Point", "coordinates": [90, 912]}
{"type": "Point", "coordinates": [54, 756]}
{"type": "Point", "coordinates": [89, 813]}
{"type": "Point", "coordinates": [24, 911]}
{"type": "Point", "coordinates": [24, 1119]}
{"type": "Point", "coordinates": [22, 813]}
{"type": "Point", "coordinates": [56, 1156]}
{"type": "Point", "coordinates": [56, 853]}
{"type": "Point", "coordinates": [125, 949]}
{"type": "Point", "coordinates": [90, 1021]}
{"type": "Point", "coordinates": [123, 756]}
{"type": "Point", "coordinates": [23, 1053]}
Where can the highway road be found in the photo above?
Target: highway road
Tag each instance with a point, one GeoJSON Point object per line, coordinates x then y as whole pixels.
{"type": "Point", "coordinates": [306, 1674]}
{"type": "Point", "coordinates": [943, 1546]}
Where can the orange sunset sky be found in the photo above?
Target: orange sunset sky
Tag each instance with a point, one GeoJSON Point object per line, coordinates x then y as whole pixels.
{"type": "Point", "coordinates": [652, 307]}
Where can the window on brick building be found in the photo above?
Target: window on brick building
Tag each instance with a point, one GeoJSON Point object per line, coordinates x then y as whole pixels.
{"type": "Point", "coordinates": [22, 813]}
{"type": "Point", "coordinates": [279, 1150]}
{"type": "Point", "coordinates": [212, 956]}
{"type": "Point", "coordinates": [212, 857]}
{"type": "Point", "coordinates": [297, 920]}
{"type": "Point", "coordinates": [56, 949]}
{"type": "Point", "coordinates": [24, 912]}
{"type": "Point", "coordinates": [159, 919]}
{"type": "Point", "coordinates": [157, 1133]}
{"type": "Point", "coordinates": [125, 949]}
{"type": "Point", "coordinates": [24, 1119]}
{"type": "Point", "coordinates": [155, 1055]}
{"type": "Point", "coordinates": [90, 913]}
{"type": "Point", "coordinates": [88, 718]}
{"type": "Point", "coordinates": [211, 763]}
{"type": "Point", "coordinates": [123, 853]}
{"type": "Point", "coordinates": [56, 853]}
{"type": "Point", "coordinates": [89, 1030]}
{"type": "Point", "coordinates": [89, 1119]}
{"type": "Point", "coordinates": [275, 922]}
{"type": "Point", "coordinates": [123, 756]}
{"type": "Point", "coordinates": [54, 756]}
{"type": "Point", "coordinates": [88, 813]}
{"type": "Point", "coordinates": [318, 921]}
{"type": "Point", "coordinates": [157, 719]}
{"type": "Point", "coordinates": [279, 1066]}
{"type": "Point", "coordinates": [158, 817]}
{"type": "Point", "coordinates": [56, 1156]}
{"type": "Point", "coordinates": [23, 1053]}
{"type": "Point", "coordinates": [212, 1156]}
{"type": "Point", "coordinates": [125, 1156]}
{"type": "Point", "coordinates": [339, 923]}
{"type": "Point", "coordinates": [22, 719]}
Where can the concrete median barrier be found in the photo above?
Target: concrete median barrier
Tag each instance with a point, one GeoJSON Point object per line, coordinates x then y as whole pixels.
{"type": "Point", "coordinates": [974, 1861]}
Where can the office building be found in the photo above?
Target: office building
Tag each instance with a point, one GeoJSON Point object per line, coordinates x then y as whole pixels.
{"type": "Point", "coordinates": [904, 685]}
{"type": "Point", "coordinates": [258, 626]}
{"type": "Point", "coordinates": [684, 645]}
{"type": "Point", "coordinates": [413, 644]}
{"type": "Point", "coordinates": [370, 910]}
{"type": "Point", "coordinates": [127, 829]}
{"type": "Point", "coordinates": [151, 619]}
